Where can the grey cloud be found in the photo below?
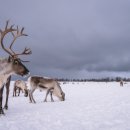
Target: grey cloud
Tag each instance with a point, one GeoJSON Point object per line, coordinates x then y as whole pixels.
{"type": "Point", "coordinates": [71, 37]}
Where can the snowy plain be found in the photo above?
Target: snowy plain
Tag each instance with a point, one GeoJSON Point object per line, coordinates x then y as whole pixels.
{"type": "Point", "coordinates": [88, 106]}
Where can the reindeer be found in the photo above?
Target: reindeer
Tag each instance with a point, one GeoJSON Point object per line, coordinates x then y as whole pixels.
{"type": "Point", "coordinates": [121, 83]}
{"type": "Point", "coordinates": [48, 84]}
{"type": "Point", "coordinates": [13, 64]}
{"type": "Point", "coordinates": [20, 85]}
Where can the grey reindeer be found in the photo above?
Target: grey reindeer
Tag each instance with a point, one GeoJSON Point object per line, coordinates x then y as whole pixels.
{"type": "Point", "coordinates": [13, 64]}
{"type": "Point", "coordinates": [20, 85]}
{"type": "Point", "coordinates": [44, 83]}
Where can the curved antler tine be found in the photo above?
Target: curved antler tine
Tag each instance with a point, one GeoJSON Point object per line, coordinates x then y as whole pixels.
{"type": "Point", "coordinates": [25, 35]}
{"type": "Point", "coordinates": [12, 34]}
{"type": "Point", "coordinates": [7, 23]}
{"type": "Point", "coordinates": [27, 51]}
{"type": "Point", "coordinates": [17, 30]}
{"type": "Point", "coordinates": [22, 30]}
{"type": "Point", "coordinates": [11, 27]}
{"type": "Point", "coordinates": [30, 51]}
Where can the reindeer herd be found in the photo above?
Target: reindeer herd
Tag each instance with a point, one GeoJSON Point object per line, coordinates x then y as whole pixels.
{"type": "Point", "coordinates": [13, 65]}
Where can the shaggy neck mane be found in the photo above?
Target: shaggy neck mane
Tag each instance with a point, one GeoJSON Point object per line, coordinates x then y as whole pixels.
{"type": "Point", "coordinates": [5, 67]}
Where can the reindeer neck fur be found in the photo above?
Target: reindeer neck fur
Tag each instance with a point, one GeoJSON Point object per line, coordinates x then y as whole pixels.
{"type": "Point", "coordinates": [57, 90]}
{"type": "Point", "coordinates": [5, 71]}
{"type": "Point", "coordinates": [5, 67]}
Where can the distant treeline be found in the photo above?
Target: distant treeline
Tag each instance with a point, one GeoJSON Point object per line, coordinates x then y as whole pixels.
{"type": "Point", "coordinates": [117, 79]}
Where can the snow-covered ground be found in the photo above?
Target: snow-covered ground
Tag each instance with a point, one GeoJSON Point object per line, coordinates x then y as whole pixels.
{"type": "Point", "coordinates": [88, 106]}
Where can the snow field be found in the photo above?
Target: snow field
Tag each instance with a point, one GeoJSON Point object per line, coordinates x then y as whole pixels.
{"type": "Point", "coordinates": [88, 106]}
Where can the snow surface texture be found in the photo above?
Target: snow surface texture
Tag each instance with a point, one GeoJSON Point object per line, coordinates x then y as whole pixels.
{"type": "Point", "coordinates": [88, 106]}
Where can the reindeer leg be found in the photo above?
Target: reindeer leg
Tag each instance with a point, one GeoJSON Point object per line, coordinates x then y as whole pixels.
{"type": "Point", "coordinates": [7, 92]}
{"type": "Point", "coordinates": [13, 92]}
{"type": "Point", "coordinates": [31, 95]}
{"type": "Point", "coordinates": [45, 100]}
{"type": "Point", "coordinates": [52, 100]}
{"type": "Point", "coordinates": [1, 98]}
{"type": "Point", "coordinates": [18, 91]}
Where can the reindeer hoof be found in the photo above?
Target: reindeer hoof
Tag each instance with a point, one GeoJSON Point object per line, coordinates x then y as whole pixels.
{"type": "Point", "coordinates": [34, 102]}
{"type": "Point", "coordinates": [6, 107]}
{"type": "Point", "coordinates": [45, 100]}
{"type": "Point", "coordinates": [2, 111]}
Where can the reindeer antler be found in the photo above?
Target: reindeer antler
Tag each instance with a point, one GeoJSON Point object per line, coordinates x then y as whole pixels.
{"type": "Point", "coordinates": [3, 34]}
{"type": "Point", "coordinates": [15, 33]}
{"type": "Point", "coordinates": [18, 33]}
{"type": "Point", "coordinates": [27, 51]}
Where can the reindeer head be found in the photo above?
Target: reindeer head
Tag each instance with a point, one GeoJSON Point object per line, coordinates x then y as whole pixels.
{"type": "Point", "coordinates": [62, 97]}
{"type": "Point", "coordinates": [18, 67]}
{"type": "Point", "coordinates": [14, 60]}
{"type": "Point", "coordinates": [26, 92]}
{"type": "Point", "coordinates": [58, 92]}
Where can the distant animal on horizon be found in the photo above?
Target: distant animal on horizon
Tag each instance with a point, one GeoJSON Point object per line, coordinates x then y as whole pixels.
{"type": "Point", "coordinates": [20, 85]}
{"type": "Point", "coordinates": [121, 83]}
{"type": "Point", "coordinates": [44, 83]}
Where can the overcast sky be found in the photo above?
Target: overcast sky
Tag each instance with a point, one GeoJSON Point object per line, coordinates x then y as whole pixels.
{"type": "Point", "coordinates": [72, 38]}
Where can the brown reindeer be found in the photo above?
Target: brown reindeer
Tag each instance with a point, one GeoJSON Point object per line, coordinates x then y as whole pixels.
{"type": "Point", "coordinates": [13, 64]}
{"type": "Point", "coordinates": [48, 84]}
{"type": "Point", "coordinates": [121, 83]}
{"type": "Point", "coordinates": [20, 85]}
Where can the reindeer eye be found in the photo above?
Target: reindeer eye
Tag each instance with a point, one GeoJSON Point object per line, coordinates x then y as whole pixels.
{"type": "Point", "coordinates": [15, 62]}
